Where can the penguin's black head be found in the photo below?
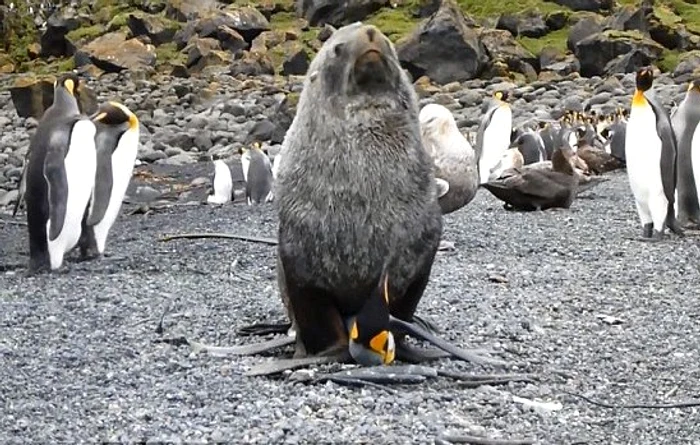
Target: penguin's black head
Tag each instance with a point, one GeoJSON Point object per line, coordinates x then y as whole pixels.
{"type": "Point", "coordinates": [115, 114]}
{"type": "Point", "coordinates": [371, 342]}
{"type": "Point", "coordinates": [644, 78]}
{"type": "Point", "coordinates": [68, 82]}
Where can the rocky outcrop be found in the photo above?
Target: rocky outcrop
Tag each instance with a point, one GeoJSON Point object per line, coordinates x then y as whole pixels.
{"type": "Point", "coordinates": [529, 24]}
{"type": "Point", "coordinates": [615, 51]}
{"type": "Point", "coordinates": [688, 67]}
{"type": "Point", "coordinates": [444, 47]}
{"type": "Point", "coordinates": [337, 12]}
{"type": "Point", "coordinates": [186, 10]}
{"type": "Point", "coordinates": [31, 96]}
{"type": "Point", "coordinates": [586, 5]}
{"type": "Point", "coordinates": [53, 39]}
{"type": "Point", "coordinates": [158, 29]}
{"type": "Point", "coordinates": [503, 50]}
{"type": "Point", "coordinates": [113, 52]}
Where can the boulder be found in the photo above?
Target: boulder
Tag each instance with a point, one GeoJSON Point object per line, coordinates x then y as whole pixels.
{"type": "Point", "coordinates": [444, 47]}
{"type": "Point", "coordinates": [629, 18]}
{"type": "Point", "coordinates": [595, 52]}
{"type": "Point", "coordinates": [204, 52]}
{"type": "Point", "coordinates": [528, 24]}
{"type": "Point", "coordinates": [53, 39]}
{"type": "Point", "coordinates": [248, 22]}
{"type": "Point", "coordinates": [587, 5]}
{"type": "Point", "coordinates": [230, 40]}
{"type": "Point", "coordinates": [556, 20]}
{"type": "Point", "coordinates": [584, 27]}
{"type": "Point", "coordinates": [186, 10]}
{"type": "Point", "coordinates": [112, 53]}
{"type": "Point", "coordinates": [337, 12]}
{"type": "Point", "coordinates": [688, 67]}
{"type": "Point", "coordinates": [502, 47]}
{"type": "Point", "coordinates": [296, 59]}
{"type": "Point", "coordinates": [31, 96]}
{"type": "Point", "coordinates": [251, 63]}
{"type": "Point", "coordinates": [159, 29]}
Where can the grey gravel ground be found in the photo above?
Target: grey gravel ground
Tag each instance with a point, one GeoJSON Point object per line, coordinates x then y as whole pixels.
{"type": "Point", "coordinates": [79, 362]}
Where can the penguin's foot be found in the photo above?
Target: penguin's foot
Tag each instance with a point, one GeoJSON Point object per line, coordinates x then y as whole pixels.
{"type": "Point", "coordinates": [655, 237]}
{"type": "Point", "coordinates": [647, 230]}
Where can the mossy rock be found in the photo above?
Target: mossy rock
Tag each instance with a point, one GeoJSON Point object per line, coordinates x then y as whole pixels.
{"type": "Point", "coordinates": [669, 60]}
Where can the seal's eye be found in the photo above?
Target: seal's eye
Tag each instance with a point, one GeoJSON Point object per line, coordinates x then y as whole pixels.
{"type": "Point", "coordinates": [338, 49]}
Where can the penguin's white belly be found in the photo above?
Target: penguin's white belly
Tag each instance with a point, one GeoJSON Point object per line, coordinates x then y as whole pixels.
{"type": "Point", "coordinates": [643, 154]}
{"type": "Point", "coordinates": [123, 160]}
{"type": "Point", "coordinates": [80, 164]}
{"type": "Point", "coordinates": [496, 140]}
{"type": "Point", "coordinates": [695, 157]}
{"type": "Point", "coordinates": [223, 184]}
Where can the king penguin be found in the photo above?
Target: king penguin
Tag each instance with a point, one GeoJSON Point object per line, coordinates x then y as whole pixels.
{"type": "Point", "coordinates": [685, 120]}
{"type": "Point", "coordinates": [60, 177]}
{"type": "Point", "coordinates": [223, 184]}
{"type": "Point", "coordinates": [493, 136]}
{"type": "Point", "coordinates": [257, 173]}
{"type": "Point", "coordinates": [650, 151]}
{"type": "Point", "coordinates": [116, 142]}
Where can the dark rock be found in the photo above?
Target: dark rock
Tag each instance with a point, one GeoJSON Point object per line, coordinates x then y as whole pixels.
{"type": "Point", "coordinates": [158, 29]}
{"type": "Point", "coordinates": [248, 22]}
{"type": "Point", "coordinates": [151, 6]}
{"type": "Point", "coordinates": [501, 46]}
{"type": "Point", "coordinates": [198, 48]}
{"type": "Point", "coordinates": [531, 24]}
{"type": "Point", "coordinates": [112, 52]}
{"type": "Point", "coordinates": [444, 47]}
{"type": "Point", "coordinates": [584, 28]}
{"type": "Point", "coordinates": [296, 60]}
{"type": "Point", "coordinates": [230, 40]}
{"type": "Point", "coordinates": [31, 96]}
{"type": "Point", "coordinates": [180, 71]}
{"type": "Point", "coordinates": [337, 13]}
{"type": "Point", "coordinates": [251, 63]}
{"type": "Point", "coordinates": [184, 35]}
{"type": "Point", "coordinates": [325, 33]}
{"type": "Point", "coordinates": [556, 20]}
{"type": "Point", "coordinates": [186, 10]}
{"type": "Point", "coordinates": [508, 22]}
{"type": "Point", "coordinates": [688, 67]}
{"type": "Point", "coordinates": [426, 8]}
{"type": "Point", "coordinates": [597, 51]}
{"type": "Point", "coordinates": [261, 131]}
{"type": "Point", "coordinates": [586, 5]}
{"type": "Point", "coordinates": [53, 39]}
{"type": "Point", "coordinates": [629, 18]}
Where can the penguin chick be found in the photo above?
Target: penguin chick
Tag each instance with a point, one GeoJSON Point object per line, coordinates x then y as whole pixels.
{"type": "Point", "coordinates": [257, 173]}
{"type": "Point", "coordinates": [223, 184]}
{"type": "Point", "coordinates": [456, 171]}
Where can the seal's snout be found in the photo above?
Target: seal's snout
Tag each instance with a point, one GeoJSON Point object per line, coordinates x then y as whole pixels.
{"type": "Point", "coordinates": [370, 66]}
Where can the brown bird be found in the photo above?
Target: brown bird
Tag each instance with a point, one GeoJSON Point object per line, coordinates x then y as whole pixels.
{"type": "Point", "coordinates": [598, 161]}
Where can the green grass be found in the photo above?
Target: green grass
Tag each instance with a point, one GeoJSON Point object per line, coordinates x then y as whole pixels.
{"type": "Point", "coordinates": [555, 39]}
{"type": "Point", "coordinates": [168, 54]}
{"type": "Point", "coordinates": [485, 9]}
{"type": "Point", "coordinates": [669, 60]}
{"type": "Point", "coordinates": [395, 23]}
{"type": "Point", "coordinates": [86, 33]}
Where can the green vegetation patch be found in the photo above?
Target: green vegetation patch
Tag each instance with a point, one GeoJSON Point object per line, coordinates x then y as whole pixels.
{"type": "Point", "coordinates": [395, 23]}
{"type": "Point", "coordinates": [168, 54]}
{"type": "Point", "coordinates": [555, 39]}
{"type": "Point", "coordinates": [85, 33]}
{"type": "Point", "coordinates": [669, 60]}
{"type": "Point", "coordinates": [484, 9]}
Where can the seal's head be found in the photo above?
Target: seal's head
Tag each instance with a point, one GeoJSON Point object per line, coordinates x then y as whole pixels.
{"type": "Point", "coordinates": [358, 61]}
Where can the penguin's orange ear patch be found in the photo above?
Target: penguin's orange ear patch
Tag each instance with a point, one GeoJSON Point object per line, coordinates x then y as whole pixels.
{"type": "Point", "coordinates": [70, 85]}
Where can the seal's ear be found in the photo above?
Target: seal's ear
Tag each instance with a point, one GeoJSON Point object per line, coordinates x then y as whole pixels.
{"type": "Point", "coordinates": [442, 187]}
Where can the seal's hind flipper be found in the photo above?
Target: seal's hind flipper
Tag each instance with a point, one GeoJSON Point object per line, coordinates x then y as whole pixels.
{"type": "Point", "coordinates": [264, 329]}
{"type": "Point", "coordinates": [279, 366]}
{"type": "Point", "coordinates": [256, 348]}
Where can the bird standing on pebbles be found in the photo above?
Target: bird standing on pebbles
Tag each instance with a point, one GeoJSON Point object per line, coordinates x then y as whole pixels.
{"type": "Point", "coordinates": [493, 136]}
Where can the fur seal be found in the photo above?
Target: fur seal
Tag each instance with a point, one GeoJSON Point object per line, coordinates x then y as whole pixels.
{"type": "Point", "coordinates": [355, 189]}
{"type": "Point", "coordinates": [453, 155]}
{"type": "Point", "coordinates": [685, 120]}
{"type": "Point", "coordinates": [651, 155]}
{"type": "Point", "coordinates": [60, 177]}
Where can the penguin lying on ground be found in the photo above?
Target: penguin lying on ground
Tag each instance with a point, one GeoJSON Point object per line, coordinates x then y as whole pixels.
{"type": "Point", "coordinates": [530, 189]}
{"type": "Point", "coordinates": [651, 154]}
{"type": "Point", "coordinates": [685, 122]}
{"type": "Point", "coordinates": [222, 184]}
{"type": "Point", "coordinates": [257, 173]}
{"type": "Point", "coordinates": [453, 156]}
{"type": "Point", "coordinates": [116, 142]}
{"type": "Point", "coordinates": [60, 177]}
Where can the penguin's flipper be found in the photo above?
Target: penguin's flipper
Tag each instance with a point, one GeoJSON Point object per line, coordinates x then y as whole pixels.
{"type": "Point", "coordinates": [55, 174]}
{"type": "Point", "coordinates": [103, 187]}
{"type": "Point", "coordinates": [669, 150]}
